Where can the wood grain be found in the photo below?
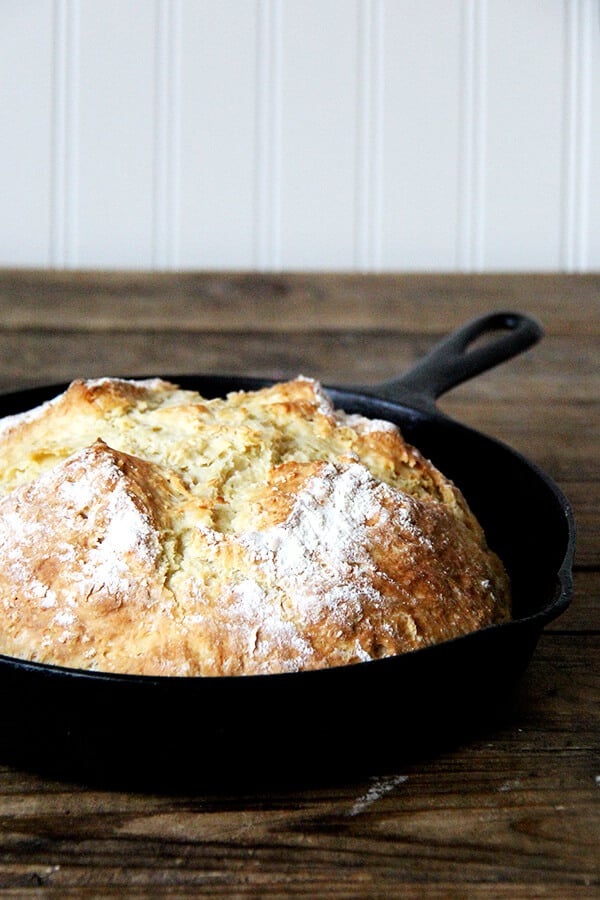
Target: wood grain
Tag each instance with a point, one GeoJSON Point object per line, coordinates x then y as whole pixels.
{"type": "Point", "coordinates": [510, 810]}
{"type": "Point", "coordinates": [545, 374]}
{"type": "Point", "coordinates": [246, 301]}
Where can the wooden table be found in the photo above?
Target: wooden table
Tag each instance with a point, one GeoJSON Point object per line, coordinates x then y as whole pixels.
{"type": "Point", "coordinates": [513, 812]}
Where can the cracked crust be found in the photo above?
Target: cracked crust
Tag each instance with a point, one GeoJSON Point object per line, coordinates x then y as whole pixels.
{"type": "Point", "coordinates": [145, 529]}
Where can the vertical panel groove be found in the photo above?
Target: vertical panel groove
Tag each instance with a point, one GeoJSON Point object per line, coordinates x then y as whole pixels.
{"type": "Point", "coordinates": [378, 132]}
{"type": "Point", "coordinates": [585, 118]}
{"type": "Point", "coordinates": [480, 95]}
{"type": "Point", "coordinates": [471, 180]}
{"type": "Point", "coordinates": [268, 136]}
{"type": "Point", "coordinates": [57, 221]}
{"type": "Point", "coordinates": [363, 99]}
{"type": "Point", "coordinates": [160, 173]}
{"type": "Point", "coordinates": [166, 134]}
{"type": "Point", "coordinates": [261, 165]}
{"type": "Point", "coordinates": [275, 134]}
{"type": "Point", "coordinates": [577, 112]}
{"type": "Point", "coordinates": [465, 187]}
{"type": "Point", "coordinates": [175, 133]}
{"type": "Point", "coordinates": [64, 137]}
{"type": "Point", "coordinates": [72, 228]}
{"type": "Point", "coordinates": [367, 254]}
{"type": "Point", "coordinates": [569, 134]}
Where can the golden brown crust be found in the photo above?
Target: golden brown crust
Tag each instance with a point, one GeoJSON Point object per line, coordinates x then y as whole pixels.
{"type": "Point", "coordinates": [145, 529]}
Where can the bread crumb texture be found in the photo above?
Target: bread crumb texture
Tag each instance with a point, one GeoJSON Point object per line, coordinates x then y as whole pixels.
{"type": "Point", "coordinates": [147, 530]}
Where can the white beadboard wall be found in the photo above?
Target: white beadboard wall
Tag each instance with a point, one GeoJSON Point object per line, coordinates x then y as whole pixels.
{"type": "Point", "coordinates": [356, 135]}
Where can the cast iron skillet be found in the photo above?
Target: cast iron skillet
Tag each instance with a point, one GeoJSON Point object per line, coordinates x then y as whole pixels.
{"type": "Point", "coordinates": [90, 724]}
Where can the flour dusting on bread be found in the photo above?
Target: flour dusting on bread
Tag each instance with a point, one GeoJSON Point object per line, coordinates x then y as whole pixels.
{"type": "Point", "coordinates": [146, 529]}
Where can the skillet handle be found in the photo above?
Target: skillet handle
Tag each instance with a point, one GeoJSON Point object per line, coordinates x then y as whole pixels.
{"type": "Point", "coordinates": [451, 361]}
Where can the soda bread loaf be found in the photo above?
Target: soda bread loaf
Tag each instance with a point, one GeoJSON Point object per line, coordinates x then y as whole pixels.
{"type": "Point", "coordinates": [147, 530]}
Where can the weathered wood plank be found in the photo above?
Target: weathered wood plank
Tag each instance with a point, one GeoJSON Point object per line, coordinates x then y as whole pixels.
{"type": "Point", "coordinates": [516, 805]}
{"type": "Point", "coordinates": [585, 500]}
{"type": "Point", "coordinates": [557, 369]}
{"type": "Point", "coordinates": [510, 810]}
{"type": "Point", "coordinates": [248, 301]}
{"type": "Point", "coordinates": [511, 829]}
{"type": "Point", "coordinates": [336, 854]}
{"type": "Point", "coordinates": [433, 821]}
{"type": "Point", "coordinates": [583, 614]}
{"type": "Point", "coordinates": [565, 446]}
